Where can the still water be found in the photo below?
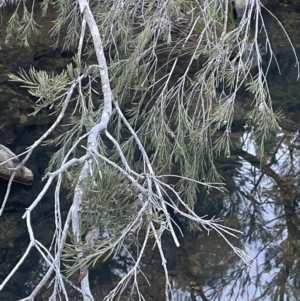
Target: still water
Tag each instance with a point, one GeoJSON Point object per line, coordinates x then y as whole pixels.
{"type": "Point", "coordinates": [261, 201]}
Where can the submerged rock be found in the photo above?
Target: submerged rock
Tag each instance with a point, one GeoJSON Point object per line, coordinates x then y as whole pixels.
{"type": "Point", "coordinates": [24, 175]}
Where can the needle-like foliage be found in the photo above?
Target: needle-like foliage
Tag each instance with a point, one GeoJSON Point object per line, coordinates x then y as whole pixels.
{"type": "Point", "coordinates": [147, 104]}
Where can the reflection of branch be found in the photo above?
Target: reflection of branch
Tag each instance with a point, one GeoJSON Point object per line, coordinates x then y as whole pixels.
{"type": "Point", "coordinates": [255, 186]}
{"type": "Point", "coordinates": [287, 189]}
{"type": "Point", "coordinates": [152, 190]}
{"type": "Point", "coordinates": [289, 227]}
{"type": "Point", "coordinates": [267, 170]}
{"type": "Point", "coordinates": [272, 160]}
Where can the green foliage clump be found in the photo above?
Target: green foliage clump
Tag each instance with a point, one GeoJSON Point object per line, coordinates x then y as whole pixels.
{"type": "Point", "coordinates": [110, 201]}
{"type": "Point", "coordinates": [175, 68]}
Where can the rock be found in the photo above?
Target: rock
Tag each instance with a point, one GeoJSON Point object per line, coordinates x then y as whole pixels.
{"type": "Point", "coordinates": [23, 118]}
{"type": "Point", "coordinates": [24, 175]}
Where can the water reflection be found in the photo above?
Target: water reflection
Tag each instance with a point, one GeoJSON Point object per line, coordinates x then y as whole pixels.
{"type": "Point", "coordinates": [262, 201]}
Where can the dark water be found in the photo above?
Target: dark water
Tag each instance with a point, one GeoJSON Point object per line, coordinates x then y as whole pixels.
{"type": "Point", "coordinates": [262, 202]}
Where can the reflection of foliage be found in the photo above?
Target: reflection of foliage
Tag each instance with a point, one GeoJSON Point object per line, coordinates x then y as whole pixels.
{"type": "Point", "coordinates": [169, 71]}
{"type": "Point", "coordinates": [265, 201]}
